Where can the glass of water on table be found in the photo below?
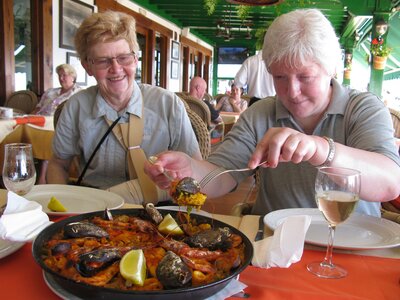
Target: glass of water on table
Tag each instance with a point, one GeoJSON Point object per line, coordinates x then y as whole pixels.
{"type": "Point", "coordinates": [19, 174]}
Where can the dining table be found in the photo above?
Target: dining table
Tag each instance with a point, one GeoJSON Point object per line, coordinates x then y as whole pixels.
{"type": "Point", "coordinates": [372, 274]}
{"type": "Point", "coordinates": [32, 129]}
{"type": "Point", "coordinates": [229, 119]}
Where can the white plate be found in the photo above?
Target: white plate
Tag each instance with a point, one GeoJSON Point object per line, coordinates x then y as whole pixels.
{"type": "Point", "coordinates": [359, 232]}
{"type": "Point", "coordinates": [183, 208]}
{"type": "Point", "coordinates": [76, 199]}
{"type": "Point", "coordinates": [8, 247]}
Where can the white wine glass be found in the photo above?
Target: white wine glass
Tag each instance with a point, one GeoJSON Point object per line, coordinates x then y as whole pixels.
{"type": "Point", "coordinates": [19, 174]}
{"type": "Point", "coordinates": [337, 193]}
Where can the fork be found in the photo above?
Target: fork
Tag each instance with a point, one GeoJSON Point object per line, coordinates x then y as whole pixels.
{"type": "Point", "coordinates": [219, 171]}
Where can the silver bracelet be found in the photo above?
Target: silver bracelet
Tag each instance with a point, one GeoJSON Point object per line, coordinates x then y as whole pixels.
{"type": "Point", "coordinates": [331, 153]}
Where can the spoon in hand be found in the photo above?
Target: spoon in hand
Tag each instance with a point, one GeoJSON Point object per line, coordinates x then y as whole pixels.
{"type": "Point", "coordinates": [186, 184]}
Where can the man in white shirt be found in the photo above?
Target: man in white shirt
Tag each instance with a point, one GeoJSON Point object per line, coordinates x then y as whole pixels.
{"type": "Point", "coordinates": [254, 74]}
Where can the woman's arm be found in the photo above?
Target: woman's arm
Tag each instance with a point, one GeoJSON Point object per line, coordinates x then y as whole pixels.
{"type": "Point", "coordinates": [380, 175]}
{"type": "Point", "coordinates": [58, 170]}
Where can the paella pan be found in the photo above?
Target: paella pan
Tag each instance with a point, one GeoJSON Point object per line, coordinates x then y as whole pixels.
{"type": "Point", "coordinates": [79, 285]}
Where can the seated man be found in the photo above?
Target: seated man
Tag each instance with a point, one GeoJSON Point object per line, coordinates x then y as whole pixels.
{"type": "Point", "coordinates": [197, 90]}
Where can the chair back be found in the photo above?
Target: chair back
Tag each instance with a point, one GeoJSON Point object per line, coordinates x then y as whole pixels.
{"type": "Point", "coordinates": [57, 113]}
{"type": "Point", "coordinates": [22, 101]}
{"type": "Point", "coordinates": [201, 132]}
{"type": "Point", "coordinates": [199, 107]}
{"type": "Point", "coordinates": [395, 114]}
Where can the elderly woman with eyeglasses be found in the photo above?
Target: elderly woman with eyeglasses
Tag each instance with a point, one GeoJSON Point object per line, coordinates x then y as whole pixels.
{"type": "Point", "coordinates": [107, 46]}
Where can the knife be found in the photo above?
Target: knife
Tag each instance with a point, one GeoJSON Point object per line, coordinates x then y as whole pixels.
{"type": "Point", "coordinates": [260, 231]}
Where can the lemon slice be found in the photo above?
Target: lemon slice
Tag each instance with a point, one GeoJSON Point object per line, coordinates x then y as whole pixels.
{"type": "Point", "coordinates": [55, 205]}
{"type": "Point", "coordinates": [133, 267]}
{"type": "Point", "coordinates": [169, 226]}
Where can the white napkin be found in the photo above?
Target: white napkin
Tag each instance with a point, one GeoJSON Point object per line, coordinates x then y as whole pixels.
{"type": "Point", "coordinates": [233, 287]}
{"type": "Point", "coordinates": [285, 246]}
{"type": "Point", "coordinates": [22, 220]}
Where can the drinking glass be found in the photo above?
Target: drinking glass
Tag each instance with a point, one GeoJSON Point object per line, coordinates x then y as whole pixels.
{"type": "Point", "coordinates": [336, 193]}
{"type": "Point", "coordinates": [19, 174]}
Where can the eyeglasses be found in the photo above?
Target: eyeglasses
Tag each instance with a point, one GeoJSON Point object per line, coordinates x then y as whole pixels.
{"type": "Point", "coordinates": [106, 62]}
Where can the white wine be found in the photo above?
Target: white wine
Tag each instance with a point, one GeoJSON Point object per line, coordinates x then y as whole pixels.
{"type": "Point", "coordinates": [20, 186]}
{"type": "Point", "coordinates": [336, 206]}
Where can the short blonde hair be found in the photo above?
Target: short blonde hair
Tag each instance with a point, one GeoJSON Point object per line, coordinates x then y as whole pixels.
{"type": "Point", "coordinates": [68, 69]}
{"type": "Point", "coordinates": [108, 26]}
{"type": "Point", "coordinates": [300, 36]}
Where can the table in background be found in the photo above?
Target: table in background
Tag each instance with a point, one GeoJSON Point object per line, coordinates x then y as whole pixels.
{"type": "Point", "coordinates": [229, 119]}
{"type": "Point", "coordinates": [40, 137]}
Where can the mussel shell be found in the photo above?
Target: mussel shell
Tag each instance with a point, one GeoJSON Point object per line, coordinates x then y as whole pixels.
{"type": "Point", "coordinates": [188, 185]}
{"type": "Point", "coordinates": [92, 262]}
{"type": "Point", "coordinates": [153, 212]}
{"type": "Point", "coordinates": [60, 248]}
{"type": "Point", "coordinates": [84, 229]}
{"type": "Point", "coordinates": [172, 272]}
{"type": "Point", "coordinates": [212, 239]}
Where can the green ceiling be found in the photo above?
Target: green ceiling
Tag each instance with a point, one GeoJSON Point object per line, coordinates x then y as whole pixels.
{"type": "Point", "coordinates": [347, 16]}
{"type": "Point", "coordinates": [193, 14]}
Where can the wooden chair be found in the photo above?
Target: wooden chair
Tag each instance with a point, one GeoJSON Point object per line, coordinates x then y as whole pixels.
{"type": "Point", "coordinates": [74, 169]}
{"type": "Point", "coordinates": [22, 101]}
{"type": "Point", "coordinates": [200, 130]}
{"type": "Point", "coordinates": [202, 110]}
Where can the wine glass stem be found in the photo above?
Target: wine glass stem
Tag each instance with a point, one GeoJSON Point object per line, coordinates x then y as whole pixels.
{"type": "Point", "coordinates": [329, 249]}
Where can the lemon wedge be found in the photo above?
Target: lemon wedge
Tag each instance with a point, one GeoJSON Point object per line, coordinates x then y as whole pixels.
{"type": "Point", "coordinates": [169, 226]}
{"type": "Point", "coordinates": [55, 205]}
{"type": "Point", "coordinates": [133, 266]}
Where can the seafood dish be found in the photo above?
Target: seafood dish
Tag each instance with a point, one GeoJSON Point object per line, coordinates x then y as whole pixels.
{"type": "Point", "coordinates": [87, 249]}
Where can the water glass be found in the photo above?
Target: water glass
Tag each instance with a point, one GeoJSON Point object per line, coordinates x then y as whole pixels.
{"type": "Point", "coordinates": [19, 174]}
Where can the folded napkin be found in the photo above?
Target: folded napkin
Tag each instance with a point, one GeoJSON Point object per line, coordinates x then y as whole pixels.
{"type": "Point", "coordinates": [233, 287]}
{"type": "Point", "coordinates": [22, 220]}
{"type": "Point", "coordinates": [285, 246]}
{"type": "Point", "coordinates": [37, 120]}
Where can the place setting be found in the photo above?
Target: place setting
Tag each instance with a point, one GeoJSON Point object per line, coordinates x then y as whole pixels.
{"type": "Point", "coordinates": [26, 207]}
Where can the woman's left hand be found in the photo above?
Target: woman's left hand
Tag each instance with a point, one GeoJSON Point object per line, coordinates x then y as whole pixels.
{"type": "Point", "coordinates": [286, 144]}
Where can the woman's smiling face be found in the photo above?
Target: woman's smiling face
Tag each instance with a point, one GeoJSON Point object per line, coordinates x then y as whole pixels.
{"type": "Point", "coordinates": [115, 81]}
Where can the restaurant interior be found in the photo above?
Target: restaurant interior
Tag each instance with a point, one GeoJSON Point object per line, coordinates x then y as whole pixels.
{"type": "Point", "coordinates": [178, 40]}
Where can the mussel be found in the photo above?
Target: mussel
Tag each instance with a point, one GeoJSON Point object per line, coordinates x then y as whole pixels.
{"type": "Point", "coordinates": [188, 185]}
{"type": "Point", "coordinates": [153, 212]}
{"type": "Point", "coordinates": [84, 229]}
{"type": "Point", "coordinates": [212, 239]}
{"type": "Point", "coordinates": [91, 263]}
{"type": "Point", "coordinates": [60, 248]}
{"type": "Point", "coordinates": [172, 272]}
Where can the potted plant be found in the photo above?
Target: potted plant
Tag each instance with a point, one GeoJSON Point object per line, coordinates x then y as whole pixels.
{"type": "Point", "coordinates": [380, 52]}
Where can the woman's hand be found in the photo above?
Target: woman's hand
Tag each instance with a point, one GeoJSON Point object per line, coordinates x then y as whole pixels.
{"type": "Point", "coordinates": [176, 164]}
{"type": "Point", "coordinates": [286, 144]}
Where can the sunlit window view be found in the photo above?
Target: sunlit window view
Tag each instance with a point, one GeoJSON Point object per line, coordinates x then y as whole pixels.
{"type": "Point", "coordinates": [22, 44]}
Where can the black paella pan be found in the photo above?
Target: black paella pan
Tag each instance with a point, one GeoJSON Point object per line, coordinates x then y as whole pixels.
{"type": "Point", "coordinates": [87, 291]}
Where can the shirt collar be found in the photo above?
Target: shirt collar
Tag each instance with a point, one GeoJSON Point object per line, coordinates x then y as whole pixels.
{"type": "Point", "coordinates": [101, 107]}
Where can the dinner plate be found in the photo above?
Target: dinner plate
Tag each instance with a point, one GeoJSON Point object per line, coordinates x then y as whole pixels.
{"type": "Point", "coordinates": [183, 209]}
{"type": "Point", "coordinates": [359, 232]}
{"type": "Point", "coordinates": [76, 199]}
{"type": "Point", "coordinates": [8, 247]}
